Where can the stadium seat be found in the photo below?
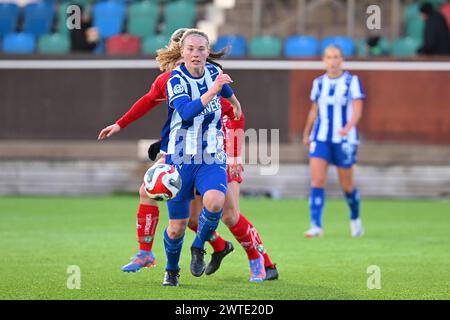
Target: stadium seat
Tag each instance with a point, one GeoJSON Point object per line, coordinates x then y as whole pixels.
{"type": "Point", "coordinates": [362, 49]}
{"type": "Point", "coordinates": [343, 42]}
{"type": "Point", "coordinates": [9, 14]}
{"type": "Point", "coordinates": [38, 18]}
{"type": "Point", "coordinates": [153, 43]}
{"type": "Point", "coordinates": [265, 47]}
{"type": "Point", "coordinates": [414, 29]}
{"type": "Point", "coordinates": [123, 44]}
{"type": "Point", "coordinates": [108, 18]}
{"type": "Point", "coordinates": [142, 18]}
{"type": "Point", "coordinates": [237, 45]}
{"type": "Point", "coordinates": [55, 43]}
{"type": "Point", "coordinates": [179, 14]}
{"type": "Point", "coordinates": [301, 46]}
{"type": "Point", "coordinates": [411, 12]}
{"type": "Point", "coordinates": [19, 43]}
{"type": "Point", "coordinates": [405, 47]}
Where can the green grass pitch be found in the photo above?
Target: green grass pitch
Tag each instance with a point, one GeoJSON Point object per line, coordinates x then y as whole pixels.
{"type": "Point", "coordinates": [408, 240]}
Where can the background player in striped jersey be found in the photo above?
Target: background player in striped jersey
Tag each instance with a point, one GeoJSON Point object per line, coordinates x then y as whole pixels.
{"type": "Point", "coordinates": [337, 101]}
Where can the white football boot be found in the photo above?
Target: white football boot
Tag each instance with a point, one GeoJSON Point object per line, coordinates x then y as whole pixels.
{"type": "Point", "coordinates": [356, 228]}
{"type": "Point", "coordinates": [314, 231]}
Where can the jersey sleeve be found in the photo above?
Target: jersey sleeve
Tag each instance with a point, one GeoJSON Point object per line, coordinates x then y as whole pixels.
{"type": "Point", "coordinates": [315, 91]}
{"type": "Point", "coordinates": [226, 92]}
{"type": "Point", "coordinates": [176, 88]}
{"type": "Point", "coordinates": [356, 89]}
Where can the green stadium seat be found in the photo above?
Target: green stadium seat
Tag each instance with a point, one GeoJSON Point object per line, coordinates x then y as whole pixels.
{"type": "Point", "coordinates": [265, 46]}
{"type": "Point", "coordinates": [153, 43]}
{"type": "Point", "coordinates": [405, 47]}
{"type": "Point", "coordinates": [414, 29]}
{"type": "Point", "coordinates": [179, 14]}
{"type": "Point", "coordinates": [55, 43]}
{"type": "Point", "coordinates": [361, 48]}
{"type": "Point", "coordinates": [411, 12]}
{"type": "Point", "coordinates": [143, 18]}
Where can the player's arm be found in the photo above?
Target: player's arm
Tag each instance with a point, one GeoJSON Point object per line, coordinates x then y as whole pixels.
{"type": "Point", "coordinates": [188, 109]}
{"type": "Point", "coordinates": [357, 94]}
{"type": "Point", "coordinates": [356, 116]}
{"type": "Point", "coordinates": [220, 86]}
{"type": "Point", "coordinates": [236, 106]}
{"type": "Point", "coordinates": [146, 103]}
{"type": "Point", "coordinates": [312, 115]}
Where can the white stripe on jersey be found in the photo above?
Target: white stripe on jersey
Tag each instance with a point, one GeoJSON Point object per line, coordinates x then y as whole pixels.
{"type": "Point", "coordinates": [334, 99]}
{"type": "Point", "coordinates": [175, 125]}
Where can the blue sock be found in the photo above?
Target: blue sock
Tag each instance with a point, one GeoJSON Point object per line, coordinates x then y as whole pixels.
{"type": "Point", "coordinates": [353, 203]}
{"type": "Point", "coordinates": [316, 203]}
{"type": "Point", "coordinates": [207, 224]}
{"type": "Point", "coordinates": [173, 251]}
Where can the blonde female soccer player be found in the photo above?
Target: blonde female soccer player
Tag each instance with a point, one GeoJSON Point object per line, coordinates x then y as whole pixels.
{"type": "Point", "coordinates": [337, 102]}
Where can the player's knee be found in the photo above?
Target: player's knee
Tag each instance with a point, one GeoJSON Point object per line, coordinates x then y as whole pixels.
{"type": "Point", "coordinates": [214, 200]}
{"type": "Point", "coordinates": [176, 230]}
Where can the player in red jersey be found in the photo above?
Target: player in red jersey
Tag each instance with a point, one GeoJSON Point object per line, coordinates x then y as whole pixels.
{"type": "Point", "coordinates": [148, 213]}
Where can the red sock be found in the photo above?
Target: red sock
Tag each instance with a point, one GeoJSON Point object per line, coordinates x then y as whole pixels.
{"type": "Point", "coordinates": [260, 246]}
{"type": "Point", "coordinates": [147, 220]}
{"type": "Point", "coordinates": [217, 242]}
{"type": "Point", "coordinates": [244, 233]}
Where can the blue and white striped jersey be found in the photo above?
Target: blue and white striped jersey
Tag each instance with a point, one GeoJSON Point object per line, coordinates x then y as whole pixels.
{"type": "Point", "coordinates": [334, 99]}
{"type": "Point", "coordinates": [192, 129]}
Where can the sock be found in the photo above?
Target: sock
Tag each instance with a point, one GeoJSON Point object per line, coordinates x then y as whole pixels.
{"type": "Point", "coordinates": [259, 243]}
{"type": "Point", "coordinates": [147, 220]}
{"type": "Point", "coordinates": [207, 224]}
{"type": "Point", "coordinates": [353, 203]}
{"type": "Point", "coordinates": [216, 241]}
{"type": "Point", "coordinates": [173, 251]}
{"type": "Point", "coordinates": [316, 203]}
{"type": "Point", "coordinates": [244, 233]}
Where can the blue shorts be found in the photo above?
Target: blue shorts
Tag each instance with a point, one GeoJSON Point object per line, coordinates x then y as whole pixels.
{"type": "Point", "coordinates": [343, 155]}
{"type": "Point", "coordinates": [202, 177]}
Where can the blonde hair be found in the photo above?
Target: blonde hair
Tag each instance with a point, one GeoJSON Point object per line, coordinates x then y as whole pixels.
{"type": "Point", "coordinates": [169, 56]}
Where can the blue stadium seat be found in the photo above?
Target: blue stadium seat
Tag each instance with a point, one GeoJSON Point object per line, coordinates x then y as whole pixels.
{"type": "Point", "coordinates": [108, 17]}
{"type": "Point", "coordinates": [9, 14]}
{"type": "Point", "coordinates": [19, 43]}
{"type": "Point", "coordinates": [301, 46]}
{"type": "Point", "coordinates": [38, 18]}
{"type": "Point", "coordinates": [237, 45]}
{"type": "Point", "coordinates": [345, 43]}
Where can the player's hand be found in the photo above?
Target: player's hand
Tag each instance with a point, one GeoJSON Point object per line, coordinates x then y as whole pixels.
{"type": "Point", "coordinates": [344, 131]}
{"type": "Point", "coordinates": [306, 140]}
{"type": "Point", "coordinates": [237, 110]}
{"type": "Point", "coordinates": [108, 131]}
{"type": "Point", "coordinates": [221, 79]}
